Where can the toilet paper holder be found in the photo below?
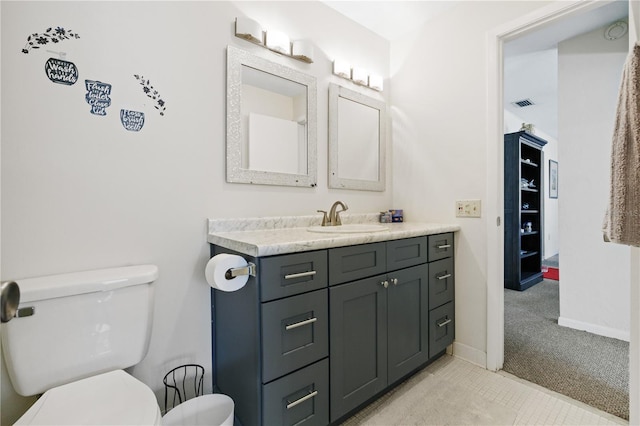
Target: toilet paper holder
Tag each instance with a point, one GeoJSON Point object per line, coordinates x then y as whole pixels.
{"type": "Point", "coordinates": [249, 269]}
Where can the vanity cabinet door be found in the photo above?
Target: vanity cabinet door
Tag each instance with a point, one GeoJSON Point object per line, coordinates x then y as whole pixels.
{"type": "Point", "coordinates": [406, 252]}
{"type": "Point", "coordinates": [441, 328]}
{"type": "Point", "coordinates": [358, 342]}
{"type": "Point", "coordinates": [440, 246]}
{"type": "Point", "coordinates": [441, 282]}
{"type": "Point", "coordinates": [295, 333]}
{"type": "Point", "coordinates": [291, 274]}
{"type": "Point", "coordinates": [407, 319]}
{"type": "Point", "coordinates": [300, 398]}
{"type": "Point", "coordinates": [356, 262]}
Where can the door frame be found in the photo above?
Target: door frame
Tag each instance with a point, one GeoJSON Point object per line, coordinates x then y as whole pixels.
{"type": "Point", "coordinates": [495, 185]}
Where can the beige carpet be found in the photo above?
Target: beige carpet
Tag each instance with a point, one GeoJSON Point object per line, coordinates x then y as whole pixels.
{"type": "Point", "coordinates": [584, 366]}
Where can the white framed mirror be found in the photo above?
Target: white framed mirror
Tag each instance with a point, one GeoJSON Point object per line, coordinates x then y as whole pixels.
{"type": "Point", "coordinates": [271, 122]}
{"type": "Point", "coordinates": [357, 140]}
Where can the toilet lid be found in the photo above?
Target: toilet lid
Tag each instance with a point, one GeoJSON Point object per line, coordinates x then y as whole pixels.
{"type": "Point", "coordinates": [114, 398]}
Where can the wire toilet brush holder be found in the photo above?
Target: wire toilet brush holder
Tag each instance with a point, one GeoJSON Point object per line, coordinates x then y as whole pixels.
{"type": "Point", "coordinates": [184, 390]}
{"type": "Point", "coordinates": [183, 382]}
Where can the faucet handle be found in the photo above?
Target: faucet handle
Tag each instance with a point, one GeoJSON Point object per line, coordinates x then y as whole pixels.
{"type": "Point", "coordinates": [324, 217]}
{"type": "Point", "coordinates": [338, 220]}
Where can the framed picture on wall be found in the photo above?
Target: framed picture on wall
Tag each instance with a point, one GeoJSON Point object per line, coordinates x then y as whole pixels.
{"type": "Point", "coordinates": [553, 179]}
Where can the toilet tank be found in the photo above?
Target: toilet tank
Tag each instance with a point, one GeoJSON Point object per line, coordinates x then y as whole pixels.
{"type": "Point", "coordinates": [82, 324]}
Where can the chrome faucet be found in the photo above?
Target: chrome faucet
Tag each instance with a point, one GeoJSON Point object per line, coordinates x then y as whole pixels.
{"type": "Point", "coordinates": [334, 215]}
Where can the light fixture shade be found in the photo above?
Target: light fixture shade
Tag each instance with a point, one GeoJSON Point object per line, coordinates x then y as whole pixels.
{"type": "Point", "coordinates": [278, 42]}
{"type": "Point", "coordinates": [303, 50]}
{"type": "Point", "coordinates": [250, 30]}
{"type": "Point", "coordinates": [341, 68]}
{"type": "Point", "coordinates": [376, 82]}
{"type": "Point", "coordinates": [360, 76]}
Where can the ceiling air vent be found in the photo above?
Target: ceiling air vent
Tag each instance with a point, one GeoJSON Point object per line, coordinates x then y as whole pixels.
{"type": "Point", "coordinates": [523, 103]}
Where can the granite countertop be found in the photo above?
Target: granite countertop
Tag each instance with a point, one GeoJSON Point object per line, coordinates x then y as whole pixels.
{"type": "Point", "coordinates": [280, 235]}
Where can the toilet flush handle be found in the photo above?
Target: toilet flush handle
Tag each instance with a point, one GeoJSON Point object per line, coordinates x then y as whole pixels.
{"type": "Point", "coordinates": [9, 300]}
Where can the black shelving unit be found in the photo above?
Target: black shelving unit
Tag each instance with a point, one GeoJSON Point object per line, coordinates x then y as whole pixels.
{"type": "Point", "coordinates": [523, 206]}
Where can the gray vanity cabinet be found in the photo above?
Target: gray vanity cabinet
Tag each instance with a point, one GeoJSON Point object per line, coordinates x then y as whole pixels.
{"type": "Point", "coordinates": [378, 334]}
{"type": "Point", "coordinates": [358, 343]}
{"type": "Point", "coordinates": [271, 341]}
{"type": "Point", "coordinates": [407, 313]}
{"type": "Point", "coordinates": [441, 293]}
{"type": "Point", "coordinates": [317, 334]}
{"type": "Point", "coordinates": [379, 325]}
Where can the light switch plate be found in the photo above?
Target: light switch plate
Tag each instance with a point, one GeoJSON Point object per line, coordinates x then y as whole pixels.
{"type": "Point", "coordinates": [468, 208]}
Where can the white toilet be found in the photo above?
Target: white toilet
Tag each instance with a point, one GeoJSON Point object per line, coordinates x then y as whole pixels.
{"type": "Point", "coordinates": [73, 335]}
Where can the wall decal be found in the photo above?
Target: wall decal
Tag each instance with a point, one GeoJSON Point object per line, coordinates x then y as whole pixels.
{"type": "Point", "coordinates": [36, 40]}
{"type": "Point", "coordinates": [60, 71]}
{"type": "Point", "coordinates": [98, 96]}
{"type": "Point", "coordinates": [132, 120]}
{"type": "Point", "coordinates": [152, 93]}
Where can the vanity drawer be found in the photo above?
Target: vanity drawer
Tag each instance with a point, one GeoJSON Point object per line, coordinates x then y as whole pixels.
{"type": "Point", "coordinates": [440, 246]}
{"type": "Point", "coordinates": [287, 275]}
{"type": "Point", "coordinates": [406, 252]}
{"type": "Point", "coordinates": [355, 262]}
{"type": "Point", "coordinates": [441, 328]}
{"type": "Point", "coordinates": [301, 398]}
{"type": "Point", "coordinates": [295, 333]}
{"type": "Point", "coordinates": [441, 282]}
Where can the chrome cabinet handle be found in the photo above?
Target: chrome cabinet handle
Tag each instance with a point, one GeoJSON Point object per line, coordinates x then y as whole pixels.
{"type": "Point", "coordinates": [385, 283]}
{"type": "Point", "coordinates": [301, 400]}
{"type": "Point", "coordinates": [394, 281]}
{"type": "Point", "coordinates": [299, 275]}
{"type": "Point", "coordinates": [444, 277]}
{"type": "Point", "coordinates": [445, 322]}
{"type": "Point", "coordinates": [301, 323]}
{"type": "Point", "coordinates": [444, 246]}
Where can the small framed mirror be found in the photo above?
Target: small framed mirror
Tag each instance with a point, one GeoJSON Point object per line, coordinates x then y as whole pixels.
{"type": "Point", "coordinates": [271, 122]}
{"type": "Point", "coordinates": [357, 140]}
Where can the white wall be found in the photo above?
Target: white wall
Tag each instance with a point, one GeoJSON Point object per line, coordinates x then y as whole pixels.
{"type": "Point", "coordinates": [439, 98]}
{"type": "Point", "coordinates": [595, 276]}
{"type": "Point", "coordinates": [79, 192]}
{"type": "Point", "coordinates": [513, 123]}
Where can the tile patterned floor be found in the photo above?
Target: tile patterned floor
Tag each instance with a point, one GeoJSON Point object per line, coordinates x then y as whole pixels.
{"type": "Point", "coordinates": [454, 392]}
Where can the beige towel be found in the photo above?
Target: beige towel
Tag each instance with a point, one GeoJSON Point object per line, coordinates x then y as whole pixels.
{"type": "Point", "coordinates": [622, 220]}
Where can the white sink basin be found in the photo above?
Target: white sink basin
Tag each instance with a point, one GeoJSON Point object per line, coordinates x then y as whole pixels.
{"type": "Point", "coordinates": [348, 229]}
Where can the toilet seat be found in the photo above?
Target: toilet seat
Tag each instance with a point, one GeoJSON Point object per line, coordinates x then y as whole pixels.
{"type": "Point", "coordinates": [114, 398]}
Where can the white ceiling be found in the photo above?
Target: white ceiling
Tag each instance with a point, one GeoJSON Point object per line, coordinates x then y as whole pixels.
{"type": "Point", "coordinates": [531, 64]}
{"type": "Point", "coordinates": [391, 19]}
{"type": "Point", "coordinates": [530, 60]}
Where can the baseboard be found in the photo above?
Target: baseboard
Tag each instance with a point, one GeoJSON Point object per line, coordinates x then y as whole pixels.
{"type": "Point", "coordinates": [595, 329]}
{"type": "Point", "coordinates": [469, 354]}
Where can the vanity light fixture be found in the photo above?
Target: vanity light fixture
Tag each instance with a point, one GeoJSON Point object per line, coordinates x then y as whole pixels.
{"type": "Point", "coordinates": [302, 50]}
{"type": "Point", "coordinates": [342, 69]}
{"type": "Point", "coordinates": [375, 82]}
{"type": "Point", "coordinates": [360, 76]}
{"type": "Point", "coordinates": [357, 75]}
{"type": "Point", "coordinates": [249, 30]}
{"type": "Point", "coordinates": [276, 41]}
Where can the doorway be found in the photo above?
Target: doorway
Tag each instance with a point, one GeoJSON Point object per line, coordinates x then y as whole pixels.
{"type": "Point", "coordinates": [544, 18]}
{"type": "Point", "coordinates": [537, 347]}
